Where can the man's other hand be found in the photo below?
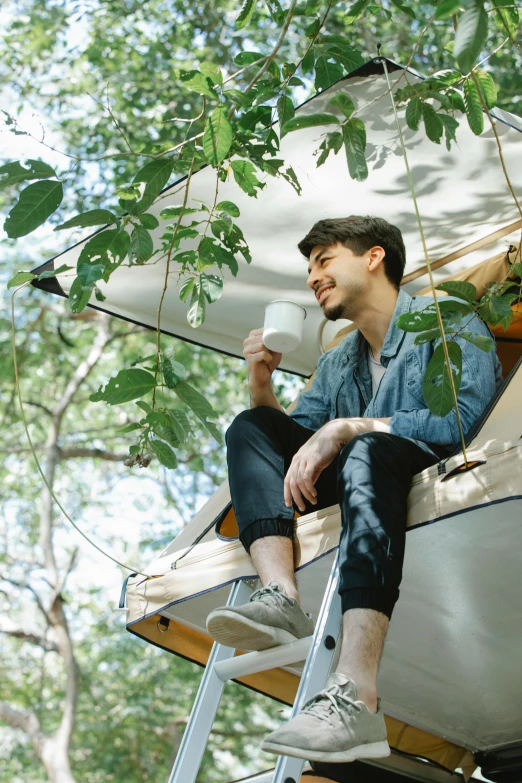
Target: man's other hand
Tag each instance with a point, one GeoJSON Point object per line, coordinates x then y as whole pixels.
{"type": "Point", "coordinates": [320, 451]}
{"type": "Point", "coordinates": [311, 459]}
{"type": "Point", "coordinates": [261, 362]}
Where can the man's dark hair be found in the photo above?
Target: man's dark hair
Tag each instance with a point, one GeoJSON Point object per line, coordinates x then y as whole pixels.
{"type": "Point", "coordinates": [359, 234]}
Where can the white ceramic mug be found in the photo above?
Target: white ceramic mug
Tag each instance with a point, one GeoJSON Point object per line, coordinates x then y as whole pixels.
{"type": "Point", "coordinates": [283, 327]}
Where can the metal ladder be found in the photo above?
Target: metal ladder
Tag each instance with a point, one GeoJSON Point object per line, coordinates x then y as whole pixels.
{"type": "Point", "coordinates": [224, 665]}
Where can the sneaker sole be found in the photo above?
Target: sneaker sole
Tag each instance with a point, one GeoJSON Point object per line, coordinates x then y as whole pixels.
{"type": "Point", "coordinates": [231, 630]}
{"type": "Point", "coordinates": [371, 750]}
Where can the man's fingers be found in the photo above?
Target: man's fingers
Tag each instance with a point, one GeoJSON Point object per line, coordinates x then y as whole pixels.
{"type": "Point", "coordinates": [305, 484]}
{"type": "Point", "coordinates": [292, 485]}
{"type": "Point", "coordinates": [308, 481]}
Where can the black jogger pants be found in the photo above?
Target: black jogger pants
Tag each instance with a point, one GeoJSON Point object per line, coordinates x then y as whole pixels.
{"type": "Point", "coordinates": [370, 479]}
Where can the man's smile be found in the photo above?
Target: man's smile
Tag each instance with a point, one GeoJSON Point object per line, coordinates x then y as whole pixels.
{"type": "Point", "coordinates": [322, 292]}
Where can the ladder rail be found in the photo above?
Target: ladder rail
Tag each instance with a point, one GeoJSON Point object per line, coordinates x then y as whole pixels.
{"type": "Point", "coordinates": [199, 726]}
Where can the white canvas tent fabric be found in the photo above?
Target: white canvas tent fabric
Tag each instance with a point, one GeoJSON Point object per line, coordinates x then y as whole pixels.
{"type": "Point", "coordinates": [462, 194]}
{"type": "Point", "coordinates": [459, 616]}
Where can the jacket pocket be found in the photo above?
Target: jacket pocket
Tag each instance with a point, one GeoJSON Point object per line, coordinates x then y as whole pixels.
{"type": "Point", "coordinates": [414, 376]}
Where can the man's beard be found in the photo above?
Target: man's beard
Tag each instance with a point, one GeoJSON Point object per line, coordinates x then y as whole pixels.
{"type": "Point", "coordinates": [334, 313]}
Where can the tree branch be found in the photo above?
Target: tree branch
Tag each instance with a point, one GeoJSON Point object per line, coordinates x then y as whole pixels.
{"type": "Point", "coordinates": [27, 721]}
{"type": "Point", "coordinates": [78, 452]}
{"type": "Point", "coordinates": [27, 636]}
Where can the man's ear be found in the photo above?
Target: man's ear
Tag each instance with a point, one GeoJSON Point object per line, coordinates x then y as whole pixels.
{"type": "Point", "coordinates": [375, 258]}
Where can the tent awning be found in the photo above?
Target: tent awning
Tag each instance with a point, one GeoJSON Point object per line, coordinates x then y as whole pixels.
{"type": "Point", "coordinates": [462, 195]}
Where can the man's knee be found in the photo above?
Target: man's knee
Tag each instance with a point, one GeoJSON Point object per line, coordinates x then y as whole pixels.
{"type": "Point", "coordinates": [364, 445]}
{"type": "Point", "coordinates": [251, 419]}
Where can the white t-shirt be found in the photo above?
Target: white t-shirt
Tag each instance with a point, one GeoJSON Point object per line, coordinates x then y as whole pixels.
{"type": "Point", "coordinates": [376, 371]}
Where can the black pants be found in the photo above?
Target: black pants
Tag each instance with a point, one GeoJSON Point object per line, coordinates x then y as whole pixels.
{"type": "Point", "coordinates": [370, 479]}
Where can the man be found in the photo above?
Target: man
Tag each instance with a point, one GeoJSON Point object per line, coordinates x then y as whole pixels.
{"type": "Point", "coordinates": [356, 437]}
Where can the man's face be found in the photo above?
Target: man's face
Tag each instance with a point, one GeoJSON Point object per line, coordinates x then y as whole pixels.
{"type": "Point", "coordinates": [339, 279]}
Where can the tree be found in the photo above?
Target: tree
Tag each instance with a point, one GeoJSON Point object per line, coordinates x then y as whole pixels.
{"type": "Point", "coordinates": [54, 674]}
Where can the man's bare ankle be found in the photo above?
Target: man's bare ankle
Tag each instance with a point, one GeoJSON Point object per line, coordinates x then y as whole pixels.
{"type": "Point", "coordinates": [289, 588]}
{"type": "Point", "coordinates": [366, 693]}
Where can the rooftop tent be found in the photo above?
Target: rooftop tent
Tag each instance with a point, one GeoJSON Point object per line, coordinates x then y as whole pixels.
{"type": "Point", "coordinates": [462, 194]}
{"type": "Point", "coordinates": [458, 622]}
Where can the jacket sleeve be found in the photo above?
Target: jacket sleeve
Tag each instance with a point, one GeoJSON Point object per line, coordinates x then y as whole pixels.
{"type": "Point", "coordinates": [313, 407]}
{"type": "Point", "coordinates": [481, 377]}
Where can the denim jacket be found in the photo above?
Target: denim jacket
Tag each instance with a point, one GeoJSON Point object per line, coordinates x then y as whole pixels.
{"type": "Point", "coordinates": [342, 387]}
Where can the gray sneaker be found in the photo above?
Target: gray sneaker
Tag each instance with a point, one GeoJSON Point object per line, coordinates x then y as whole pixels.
{"type": "Point", "coordinates": [332, 727]}
{"type": "Point", "coordinates": [268, 619]}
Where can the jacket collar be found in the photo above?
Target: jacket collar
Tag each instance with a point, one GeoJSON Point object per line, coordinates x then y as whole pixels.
{"type": "Point", "coordinates": [356, 343]}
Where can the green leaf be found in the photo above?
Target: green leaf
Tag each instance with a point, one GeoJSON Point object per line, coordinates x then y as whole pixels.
{"type": "Point", "coordinates": [460, 289]}
{"type": "Point", "coordinates": [245, 14]}
{"type": "Point", "coordinates": [54, 272]}
{"type": "Point", "coordinates": [310, 121]}
{"type": "Point", "coordinates": [480, 340]}
{"type": "Point", "coordinates": [472, 31]}
{"type": "Point", "coordinates": [417, 321]}
{"type": "Point", "coordinates": [499, 311]}
{"type": "Point", "coordinates": [35, 204]}
{"type": "Point", "coordinates": [20, 278]}
{"type": "Point", "coordinates": [516, 269]}
{"type": "Point", "coordinates": [195, 401]}
{"type": "Point", "coordinates": [450, 127]}
{"type": "Point", "coordinates": [90, 273]}
{"type": "Point", "coordinates": [217, 137]}
{"type": "Point", "coordinates": [127, 385]}
{"type": "Point", "coordinates": [79, 296]}
{"type": "Point", "coordinates": [214, 431]}
{"type": "Point", "coordinates": [344, 103]}
{"type": "Point", "coordinates": [212, 71]}
{"type": "Point", "coordinates": [128, 193]}
{"type": "Point", "coordinates": [307, 66]}
{"type": "Point", "coordinates": [211, 253]}
{"type": "Point", "coordinates": [164, 454]}
{"type": "Point", "coordinates": [405, 8]}
{"type": "Point", "coordinates": [155, 175]}
{"type": "Point", "coordinates": [414, 113]}
{"type": "Point", "coordinates": [180, 424]}
{"type": "Point", "coordinates": [100, 296]}
{"type": "Point", "coordinates": [13, 173]}
{"type": "Point", "coordinates": [130, 427]}
{"type": "Point", "coordinates": [212, 287]}
{"type": "Point", "coordinates": [149, 221]}
{"type": "Point", "coordinates": [432, 123]}
{"type": "Point", "coordinates": [285, 112]}
{"type": "Point", "coordinates": [247, 58]}
{"type": "Point", "coordinates": [186, 289]}
{"type": "Point", "coordinates": [313, 28]}
{"type": "Point", "coordinates": [326, 73]}
{"type": "Point", "coordinates": [144, 406]}
{"type": "Point", "coordinates": [447, 8]}
{"type": "Point", "coordinates": [228, 206]}
{"type": "Point", "coordinates": [355, 11]}
{"type": "Point", "coordinates": [141, 247]}
{"type": "Point", "coordinates": [197, 310]}
{"type": "Point", "coordinates": [436, 386]}
{"type": "Point", "coordinates": [354, 136]}
{"type": "Point", "coordinates": [244, 174]}
{"type": "Point", "coordinates": [332, 142]}
{"type": "Point", "coordinates": [473, 105]}
{"type": "Point", "coordinates": [173, 212]}
{"type": "Point", "coordinates": [173, 372]}
{"type": "Point", "coordinates": [429, 335]}
{"type": "Point", "coordinates": [507, 18]}
{"type": "Point", "coordinates": [197, 82]}
{"type": "Point", "coordinates": [94, 217]}
{"type": "Point", "coordinates": [488, 88]}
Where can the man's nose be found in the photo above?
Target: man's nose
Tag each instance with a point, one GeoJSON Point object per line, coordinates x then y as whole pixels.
{"type": "Point", "coordinates": [313, 279]}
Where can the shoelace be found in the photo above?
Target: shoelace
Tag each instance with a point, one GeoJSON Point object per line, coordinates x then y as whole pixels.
{"type": "Point", "coordinates": [270, 596]}
{"type": "Point", "coordinates": [332, 700]}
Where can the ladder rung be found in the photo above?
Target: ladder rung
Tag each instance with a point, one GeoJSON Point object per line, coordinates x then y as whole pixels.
{"type": "Point", "coordinates": [253, 662]}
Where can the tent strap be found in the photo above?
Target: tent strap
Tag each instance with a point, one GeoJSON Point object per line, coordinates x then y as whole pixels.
{"type": "Point", "coordinates": [463, 251]}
